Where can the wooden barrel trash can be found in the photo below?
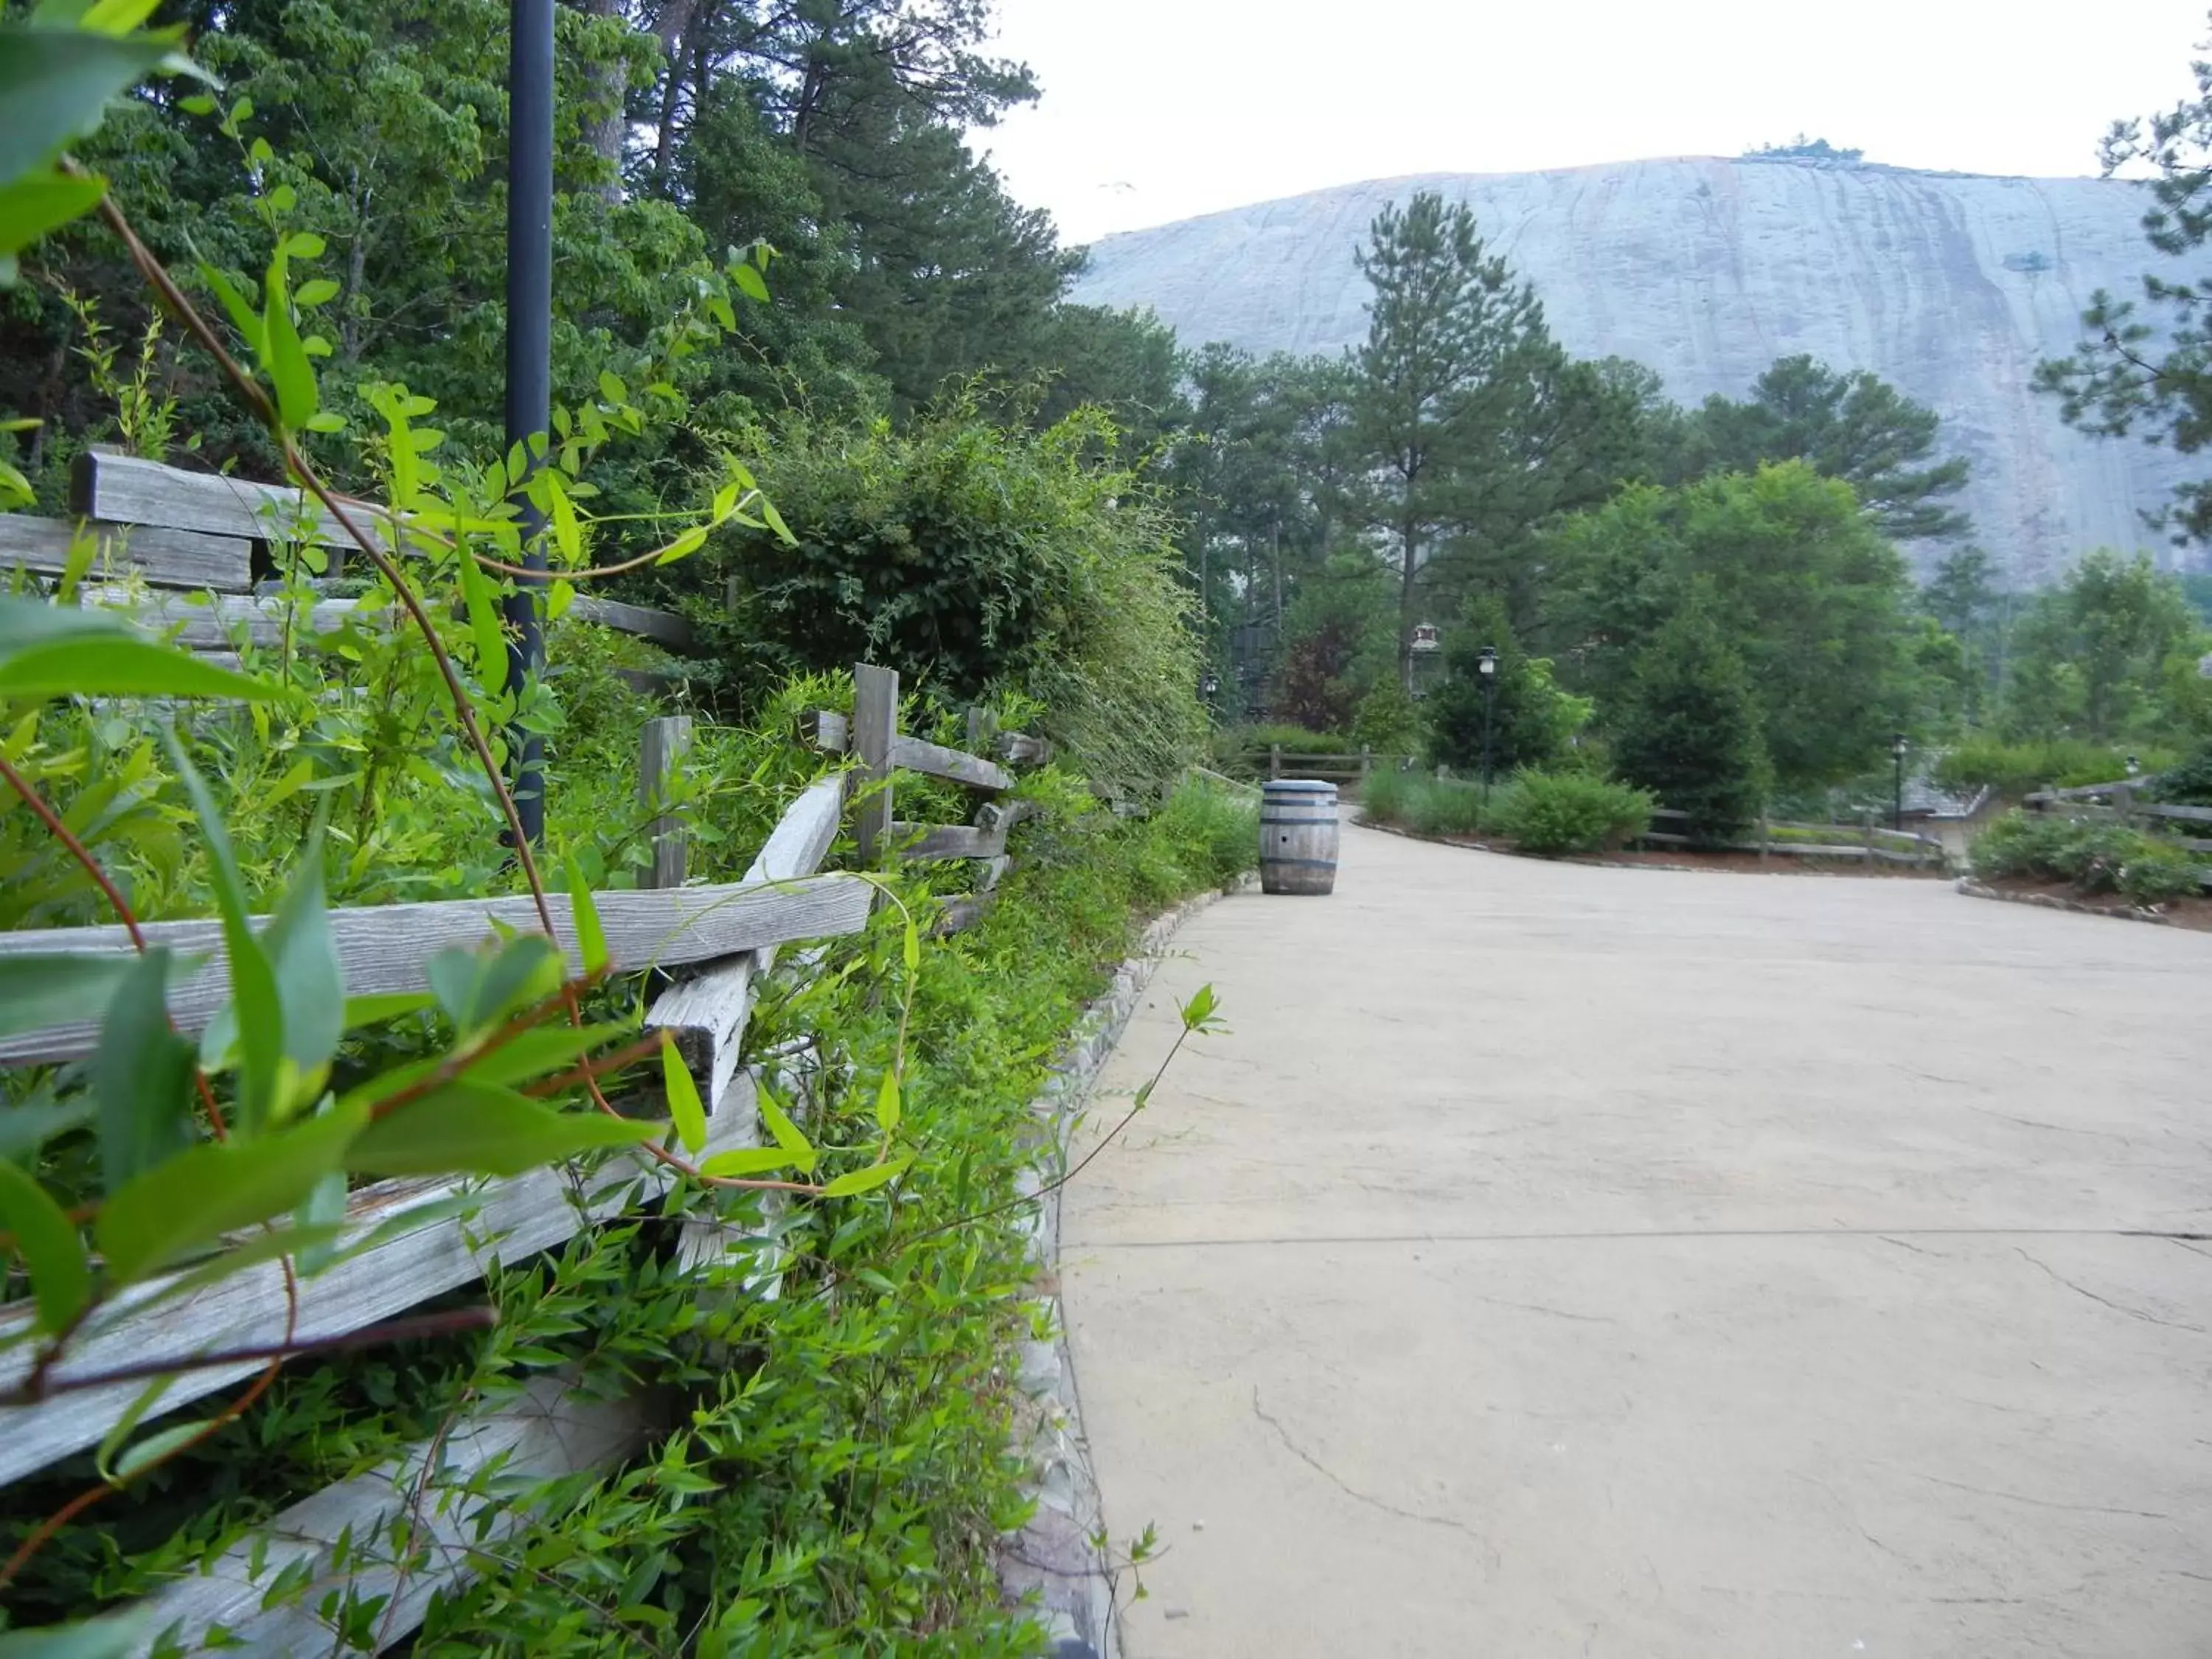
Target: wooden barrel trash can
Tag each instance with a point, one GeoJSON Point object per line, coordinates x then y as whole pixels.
{"type": "Point", "coordinates": [1297, 836]}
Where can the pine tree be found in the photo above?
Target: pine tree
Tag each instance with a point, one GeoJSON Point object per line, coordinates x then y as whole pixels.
{"type": "Point", "coordinates": [1528, 718]}
{"type": "Point", "coordinates": [1689, 731]}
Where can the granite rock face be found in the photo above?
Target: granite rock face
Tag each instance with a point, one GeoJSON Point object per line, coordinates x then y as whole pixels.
{"type": "Point", "coordinates": [1951, 286]}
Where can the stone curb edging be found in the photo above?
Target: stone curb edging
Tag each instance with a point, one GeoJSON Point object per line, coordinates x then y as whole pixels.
{"type": "Point", "coordinates": [1056, 1557]}
{"type": "Point", "coordinates": [1973, 889]}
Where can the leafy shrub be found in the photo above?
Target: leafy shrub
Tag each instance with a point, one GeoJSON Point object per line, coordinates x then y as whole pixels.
{"type": "Point", "coordinates": [1690, 733]}
{"type": "Point", "coordinates": [1212, 833]}
{"type": "Point", "coordinates": [2094, 857]}
{"type": "Point", "coordinates": [2186, 784]}
{"type": "Point", "coordinates": [2014, 770]}
{"type": "Point", "coordinates": [1425, 805]}
{"type": "Point", "coordinates": [973, 558]}
{"type": "Point", "coordinates": [1290, 738]}
{"type": "Point", "coordinates": [1549, 813]}
{"type": "Point", "coordinates": [1388, 721]}
{"type": "Point", "coordinates": [1529, 720]}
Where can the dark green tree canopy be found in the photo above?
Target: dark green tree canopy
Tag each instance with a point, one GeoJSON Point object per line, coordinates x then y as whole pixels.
{"type": "Point", "coordinates": [1855, 427]}
{"type": "Point", "coordinates": [1688, 728]}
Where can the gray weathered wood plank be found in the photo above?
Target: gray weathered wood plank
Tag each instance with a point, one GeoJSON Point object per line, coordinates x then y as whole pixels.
{"type": "Point", "coordinates": [827, 731]}
{"type": "Point", "coordinates": [663, 627]}
{"type": "Point", "coordinates": [875, 725]}
{"type": "Point", "coordinates": [516, 1218]}
{"type": "Point", "coordinates": [219, 622]}
{"type": "Point", "coordinates": [2183, 814]}
{"type": "Point", "coordinates": [383, 947]}
{"type": "Point", "coordinates": [938, 762]}
{"type": "Point", "coordinates": [547, 1432]}
{"type": "Point", "coordinates": [166, 558]}
{"type": "Point", "coordinates": [124, 490]}
{"type": "Point", "coordinates": [707, 1011]}
{"type": "Point", "coordinates": [964, 913]}
{"type": "Point", "coordinates": [946, 841]}
{"type": "Point", "coordinates": [661, 749]}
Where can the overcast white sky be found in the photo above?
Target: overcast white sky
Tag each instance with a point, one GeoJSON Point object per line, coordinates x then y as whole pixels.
{"type": "Point", "coordinates": [1156, 110]}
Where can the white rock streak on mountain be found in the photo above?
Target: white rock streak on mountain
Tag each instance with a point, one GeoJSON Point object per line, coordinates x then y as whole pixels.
{"type": "Point", "coordinates": [1950, 286]}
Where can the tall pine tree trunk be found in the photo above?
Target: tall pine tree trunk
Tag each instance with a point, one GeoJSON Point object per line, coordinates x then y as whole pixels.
{"type": "Point", "coordinates": [607, 88]}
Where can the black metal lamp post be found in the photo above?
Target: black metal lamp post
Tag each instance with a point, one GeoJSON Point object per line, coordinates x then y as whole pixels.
{"type": "Point", "coordinates": [529, 357]}
{"type": "Point", "coordinates": [1897, 745]}
{"type": "Point", "coordinates": [1485, 664]}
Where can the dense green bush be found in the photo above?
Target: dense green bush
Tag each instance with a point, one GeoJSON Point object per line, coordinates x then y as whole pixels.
{"type": "Point", "coordinates": [1427, 805]}
{"type": "Point", "coordinates": [1528, 718]}
{"type": "Point", "coordinates": [2185, 783]}
{"type": "Point", "coordinates": [1550, 813]}
{"type": "Point", "coordinates": [1280, 734]}
{"type": "Point", "coordinates": [1689, 733]}
{"type": "Point", "coordinates": [975, 557]}
{"type": "Point", "coordinates": [2094, 857]}
{"type": "Point", "coordinates": [2014, 770]}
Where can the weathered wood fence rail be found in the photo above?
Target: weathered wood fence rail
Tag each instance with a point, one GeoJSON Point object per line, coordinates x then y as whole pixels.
{"type": "Point", "coordinates": [1869, 844]}
{"type": "Point", "coordinates": [407, 1241]}
{"type": "Point", "coordinates": [186, 535]}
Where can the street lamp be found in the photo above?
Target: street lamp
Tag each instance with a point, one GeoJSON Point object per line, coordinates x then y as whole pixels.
{"type": "Point", "coordinates": [1485, 664]}
{"type": "Point", "coordinates": [1897, 745]}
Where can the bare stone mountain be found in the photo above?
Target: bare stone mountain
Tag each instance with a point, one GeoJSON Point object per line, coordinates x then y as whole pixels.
{"type": "Point", "coordinates": [1951, 286]}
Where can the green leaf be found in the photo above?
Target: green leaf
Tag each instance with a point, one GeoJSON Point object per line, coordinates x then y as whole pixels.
{"type": "Point", "coordinates": [155, 1448]}
{"type": "Point", "coordinates": [467, 1128]}
{"type": "Point", "coordinates": [103, 1460]}
{"type": "Point", "coordinates": [750, 283]}
{"type": "Point", "coordinates": [775, 523]}
{"type": "Point", "coordinates": [309, 978]}
{"type": "Point", "coordinates": [476, 988]}
{"type": "Point", "coordinates": [685, 545]}
{"type": "Point", "coordinates": [685, 1107]}
{"type": "Point", "coordinates": [115, 1637]}
{"type": "Point", "coordinates": [390, 1005]}
{"type": "Point", "coordinates": [1198, 1013]}
{"type": "Point", "coordinates": [484, 628]}
{"type": "Point", "coordinates": [197, 104]}
{"type": "Point", "coordinates": [533, 1053]}
{"type": "Point", "coordinates": [910, 948]}
{"type": "Point", "coordinates": [30, 207]}
{"type": "Point", "coordinates": [795, 1145]}
{"type": "Point", "coordinates": [49, 1247]}
{"type": "Point", "coordinates": [747, 1161]}
{"type": "Point", "coordinates": [304, 245]}
{"type": "Point", "coordinates": [55, 85]}
{"type": "Point", "coordinates": [215, 1188]}
{"type": "Point", "coordinates": [92, 654]}
{"type": "Point", "coordinates": [243, 317]}
{"type": "Point", "coordinates": [118, 17]}
{"type": "Point", "coordinates": [867, 1180]}
{"type": "Point", "coordinates": [55, 987]}
{"type": "Point", "coordinates": [142, 1074]}
{"type": "Point", "coordinates": [253, 999]}
{"type": "Point", "coordinates": [296, 1240]}
{"type": "Point", "coordinates": [887, 1103]}
{"type": "Point", "coordinates": [30, 1124]}
{"type": "Point", "coordinates": [612, 389]}
{"type": "Point", "coordinates": [584, 913]}
{"type": "Point", "coordinates": [320, 290]}
{"type": "Point", "coordinates": [285, 358]}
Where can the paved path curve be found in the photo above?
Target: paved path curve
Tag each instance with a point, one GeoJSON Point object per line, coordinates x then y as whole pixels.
{"type": "Point", "coordinates": [1562, 1260]}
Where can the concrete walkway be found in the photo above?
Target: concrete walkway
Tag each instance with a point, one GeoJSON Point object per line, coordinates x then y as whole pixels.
{"type": "Point", "coordinates": [1563, 1260]}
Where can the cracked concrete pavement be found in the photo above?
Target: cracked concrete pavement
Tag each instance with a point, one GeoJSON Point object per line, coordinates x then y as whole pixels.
{"type": "Point", "coordinates": [1561, 1260]}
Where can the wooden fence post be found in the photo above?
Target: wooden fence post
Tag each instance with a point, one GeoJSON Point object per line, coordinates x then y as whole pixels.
{"type": "Point", "coordinates": [1274, 760]}
{"type": "Point", "coordinates": [875, 723]}
{"type": "Point", "coordinates": [982, 732]}
{"type": "Point", "coordinates": [2124, 803]}
{"type": "Point", "coordinates": [666, 742]}
{"type": "Point", "coordinates": [1866, 834]}
{"type": "Point", "coordinates": [1366, 763]}
{"type": "Point", "coordinates": [1765, 840]}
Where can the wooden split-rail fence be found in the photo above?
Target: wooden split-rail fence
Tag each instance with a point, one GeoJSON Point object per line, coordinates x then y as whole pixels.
{"type": "Point", "coordinates": [714, 943]}
{"type": "Point", "coordinates": [195, 540]}
{"type": "Point", "coordinates": [1866, 841]}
